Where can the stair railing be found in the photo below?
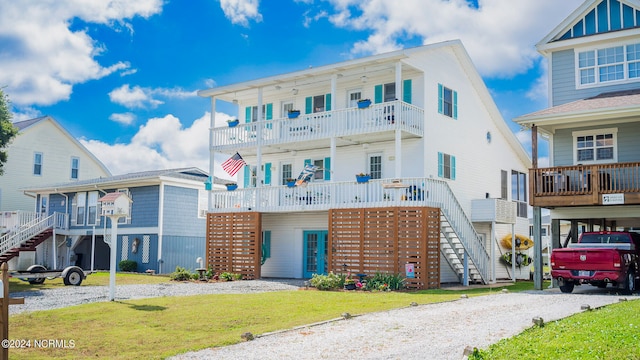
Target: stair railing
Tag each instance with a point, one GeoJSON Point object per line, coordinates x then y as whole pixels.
{"type": "Point", "coordinates": [443, 197]}
{"type": "Point", "coordinates": [29, 229]}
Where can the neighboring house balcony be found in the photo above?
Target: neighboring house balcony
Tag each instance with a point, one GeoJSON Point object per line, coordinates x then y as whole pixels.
{"type": "Point", "coordinates": [349, 126]}
{"type": "Point", "coordinates": [585, 185]}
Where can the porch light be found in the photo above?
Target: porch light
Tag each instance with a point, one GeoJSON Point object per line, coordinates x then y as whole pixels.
{"type": "Point", "coordinates": [294, 91]}
{"type": "Point", "coordinates": [364, 78]}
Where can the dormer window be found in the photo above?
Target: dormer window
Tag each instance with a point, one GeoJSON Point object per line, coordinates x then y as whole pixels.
{"type": "Point", "coordinates": [600, 66]}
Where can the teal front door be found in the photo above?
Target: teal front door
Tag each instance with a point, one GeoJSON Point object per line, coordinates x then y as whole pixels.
{"type": "Point", "coordinates": [315, 253]}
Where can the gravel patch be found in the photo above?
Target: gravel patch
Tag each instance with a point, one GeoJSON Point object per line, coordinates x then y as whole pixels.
{"type": "Point", "coordinates": [48, 299]}
{"type": "Point", "coordinates": [433, 331]}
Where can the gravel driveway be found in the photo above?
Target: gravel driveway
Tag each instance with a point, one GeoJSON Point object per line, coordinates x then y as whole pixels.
{"type": "Point", "coordinates": [433, 331]}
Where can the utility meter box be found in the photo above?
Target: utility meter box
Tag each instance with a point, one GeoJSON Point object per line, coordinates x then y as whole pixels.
{"type": "Point", "coordinates": [115, 203]}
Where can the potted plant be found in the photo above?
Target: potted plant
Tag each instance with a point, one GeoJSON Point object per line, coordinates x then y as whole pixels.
{"type": "Point", "coordinates": [233, 122]}
{"type": "Point", "coordinates": [349, 284]}
{"type": "Point", "coordinates": [294, 114]}
{"type": "Point", "coordinates": [231, 186]}
{"type": "Point", "coordinates": [362, 177]}
{"type": "Point", "coordinates": [364, 103]}
{"type": "Point", "coordinates": [291, 183]}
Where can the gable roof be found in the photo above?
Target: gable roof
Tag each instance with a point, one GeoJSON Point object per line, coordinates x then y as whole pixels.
{"type": "Point", "coordinates": [25, 125]}
{"type": "Point", "coordinates": [619, 105]}
{"type": "Point", "coordinates": [593, 19]}
{"type": "Point", "coordinates": [153, 177]}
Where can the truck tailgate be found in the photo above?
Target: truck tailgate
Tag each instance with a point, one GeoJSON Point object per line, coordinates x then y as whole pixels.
{"type": "Point", "coordinates": [585, 259]}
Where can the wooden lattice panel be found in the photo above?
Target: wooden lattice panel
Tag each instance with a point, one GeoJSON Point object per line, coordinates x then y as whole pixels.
{"type": "Point", "coordinates": [384, 240]}
{"type": "Point", "coordinates": [234, 243]}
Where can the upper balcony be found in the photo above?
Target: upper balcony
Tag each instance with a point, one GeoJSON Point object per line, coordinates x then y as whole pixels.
{"type": "Point", "coordinates": [348, 126]}
{"type": "Point", "coordinates": [585, 185]}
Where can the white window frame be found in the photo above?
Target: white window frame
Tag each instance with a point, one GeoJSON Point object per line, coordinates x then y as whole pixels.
{"type": "Point", "coordinates": [92, 202]}
{"type": "Point", "coordinates": [76, 168]}
{"type": "Point", "coordinates": [596, 67]}
{"type": "Point", "coordinates": [283, 175]}
{"type": "Point", "coordinates": [594, 133]}
{"type": "Point", "coordinates": [319, 174]}
{"type": "Point", "coordinates": [80, 203]}
{"type": "Point", "coordinates": [35, 163]}
{"type": "Point", "coordinates": [369, 164]}
{"type": "Point", "coordinates": [354, 93]}
{"type": "Point", "coordinates": [285, 106]}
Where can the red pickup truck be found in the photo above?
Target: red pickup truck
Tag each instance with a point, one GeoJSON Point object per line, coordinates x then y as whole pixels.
{"type": "Point", "coordinates": [599, 259]}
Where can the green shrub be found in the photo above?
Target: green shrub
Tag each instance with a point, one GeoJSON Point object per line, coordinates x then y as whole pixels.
{"type": "Point", "coordinates": [327, 282]}
{"type": "Point", "coordinates": [226, 276]}
{"type": "Point", "coordinates": [182, 274]}
{"type": "Point", "coordinates": [383, 282]}
{"type": "Point", "coordinates": [128, 265]}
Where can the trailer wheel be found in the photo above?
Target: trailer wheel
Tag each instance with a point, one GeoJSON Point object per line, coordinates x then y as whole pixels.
{"type": "Point", "coordinates": [73, 277]}
{"type": "Point", "coordinates": [630, 283]}
{"type": "Point", "coordinates": [36, 269]}
{"type": "Point", "coordinates": [567, 287]}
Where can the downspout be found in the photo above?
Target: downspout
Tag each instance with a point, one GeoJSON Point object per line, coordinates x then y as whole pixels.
{"type": "Point", "coordinates": [160, 227]}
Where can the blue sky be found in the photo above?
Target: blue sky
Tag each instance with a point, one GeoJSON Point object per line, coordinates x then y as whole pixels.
{"type": "Point", "coordinates": [122, 76]}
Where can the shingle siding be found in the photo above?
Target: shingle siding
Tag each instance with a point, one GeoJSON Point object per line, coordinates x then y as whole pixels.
{"type": "Point", "coordinates": [181, 212]}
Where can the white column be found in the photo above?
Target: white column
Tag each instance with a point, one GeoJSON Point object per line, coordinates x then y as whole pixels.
{"type": "Point", "coordinates": [399, 80]}
{"type": "Point", "coordinates": [212, 153]}
{"type": "Point", "coordinates": [334, 80]}
{"type": "Point", "coordinates": [259, 125]}
{"type": "Point", "coordinates": [493, 252]}
{"type": "Point", "coordinates": [398, 168]}
{"type": "Point", "coordinates": [113, 243]}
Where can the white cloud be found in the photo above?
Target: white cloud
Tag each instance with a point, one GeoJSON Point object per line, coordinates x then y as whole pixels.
{"type": "Point", "coordinates": [161, 143]}
{"type": "Point", "coordinates": [139, 97]}
{"type": "Point", "coordinates": [499, 34]}
{"type": "Point", "coordinates": [241, 11]}
{"type": "Point", "coordinates": [123, 118]}
{"type": "Point", "coordinates": [43, 59]}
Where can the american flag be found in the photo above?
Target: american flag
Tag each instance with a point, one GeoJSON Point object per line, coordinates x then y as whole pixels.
{"type": "Point", "coordinates": [233, 164]}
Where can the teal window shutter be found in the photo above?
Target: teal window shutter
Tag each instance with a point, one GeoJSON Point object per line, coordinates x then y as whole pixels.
{"type": "Point", "coordinates": [453, 167]}
{"type": "Point", "coordinates": [307, 162]}
{"type": "Point", "coordinates": [377, 94]}
{"type": "Point", "coordinates": [269, 114]}
{"type": "Point", "coordinates": [440, 98]}
{"type": "Point", "coordinates": [327, 168]}
{"type": "Point", "coordinates": [247, 176]}
{"type": "Point", "coordinates": [406, 91]}
{"type": "Point", "coordinates": [266, 246]}
{"type": "Point", "coordinates": [308, 105]}
{"type": "Point", "coordinates": [327, 102]}
{"type": "Point", "coordinates": [455, 105]}
{"type": "Point", "coordinates": [440, 164]}
{"type": "Point", "coordinates": [267, 173]}
{"type": "Point", "coordinates": [247, 114]}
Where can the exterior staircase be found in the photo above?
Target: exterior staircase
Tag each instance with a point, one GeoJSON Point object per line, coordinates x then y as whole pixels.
{"type": "Point", "coordinates": [28, 231]}
{"type": "Point", "coordinates": [460, 244]}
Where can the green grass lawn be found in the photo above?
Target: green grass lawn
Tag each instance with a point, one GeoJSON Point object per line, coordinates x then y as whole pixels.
{"type": "Point", "coordinates": [611, 332]}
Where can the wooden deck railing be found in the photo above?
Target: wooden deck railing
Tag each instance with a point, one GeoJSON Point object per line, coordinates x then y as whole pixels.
{"type": "Point", "coordinates": [580, 185]}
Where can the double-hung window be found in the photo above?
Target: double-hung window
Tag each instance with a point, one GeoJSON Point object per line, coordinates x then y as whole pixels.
{"type": "Point", "coordinates": [37, 163]}
{"type": "Point", "coordinates": [92, 208]}
{"type": "Point", "coordinates": [75, 166]}
{"type": "Point", "coordinates": [375, 166]}
{"type": "Point", "coordinates": [519, 192]}
{"type": "Point", "coordinates": [447, 101]}
{"type": "Point", "coordinates": [595, 146]}
{"type": "Point", "coordinates": [286, 173]}
{"type": "Point", "coordinates": [446, 166]}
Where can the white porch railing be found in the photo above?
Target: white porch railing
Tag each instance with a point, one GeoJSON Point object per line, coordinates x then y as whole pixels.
{"type": "Point", "coordinates": [323, 196]}
{"type": "Point", "coordinates": [322, 125]}
{"type": "Point", "coordinates": [29, 225]}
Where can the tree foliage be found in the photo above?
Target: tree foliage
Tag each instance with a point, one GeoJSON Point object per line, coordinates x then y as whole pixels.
{"type": "Point", "coordinates": [7, 130]}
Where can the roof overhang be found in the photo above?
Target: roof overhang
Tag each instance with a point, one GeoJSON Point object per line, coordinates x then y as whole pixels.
{"type": "Point", "coordinates": [550, 122]}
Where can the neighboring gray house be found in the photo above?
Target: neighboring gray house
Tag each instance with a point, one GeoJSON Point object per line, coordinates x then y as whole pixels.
{"type": "Point", "coordinates": [165, 229]}
{"type": "Point", "coordinates": [593, 121]}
